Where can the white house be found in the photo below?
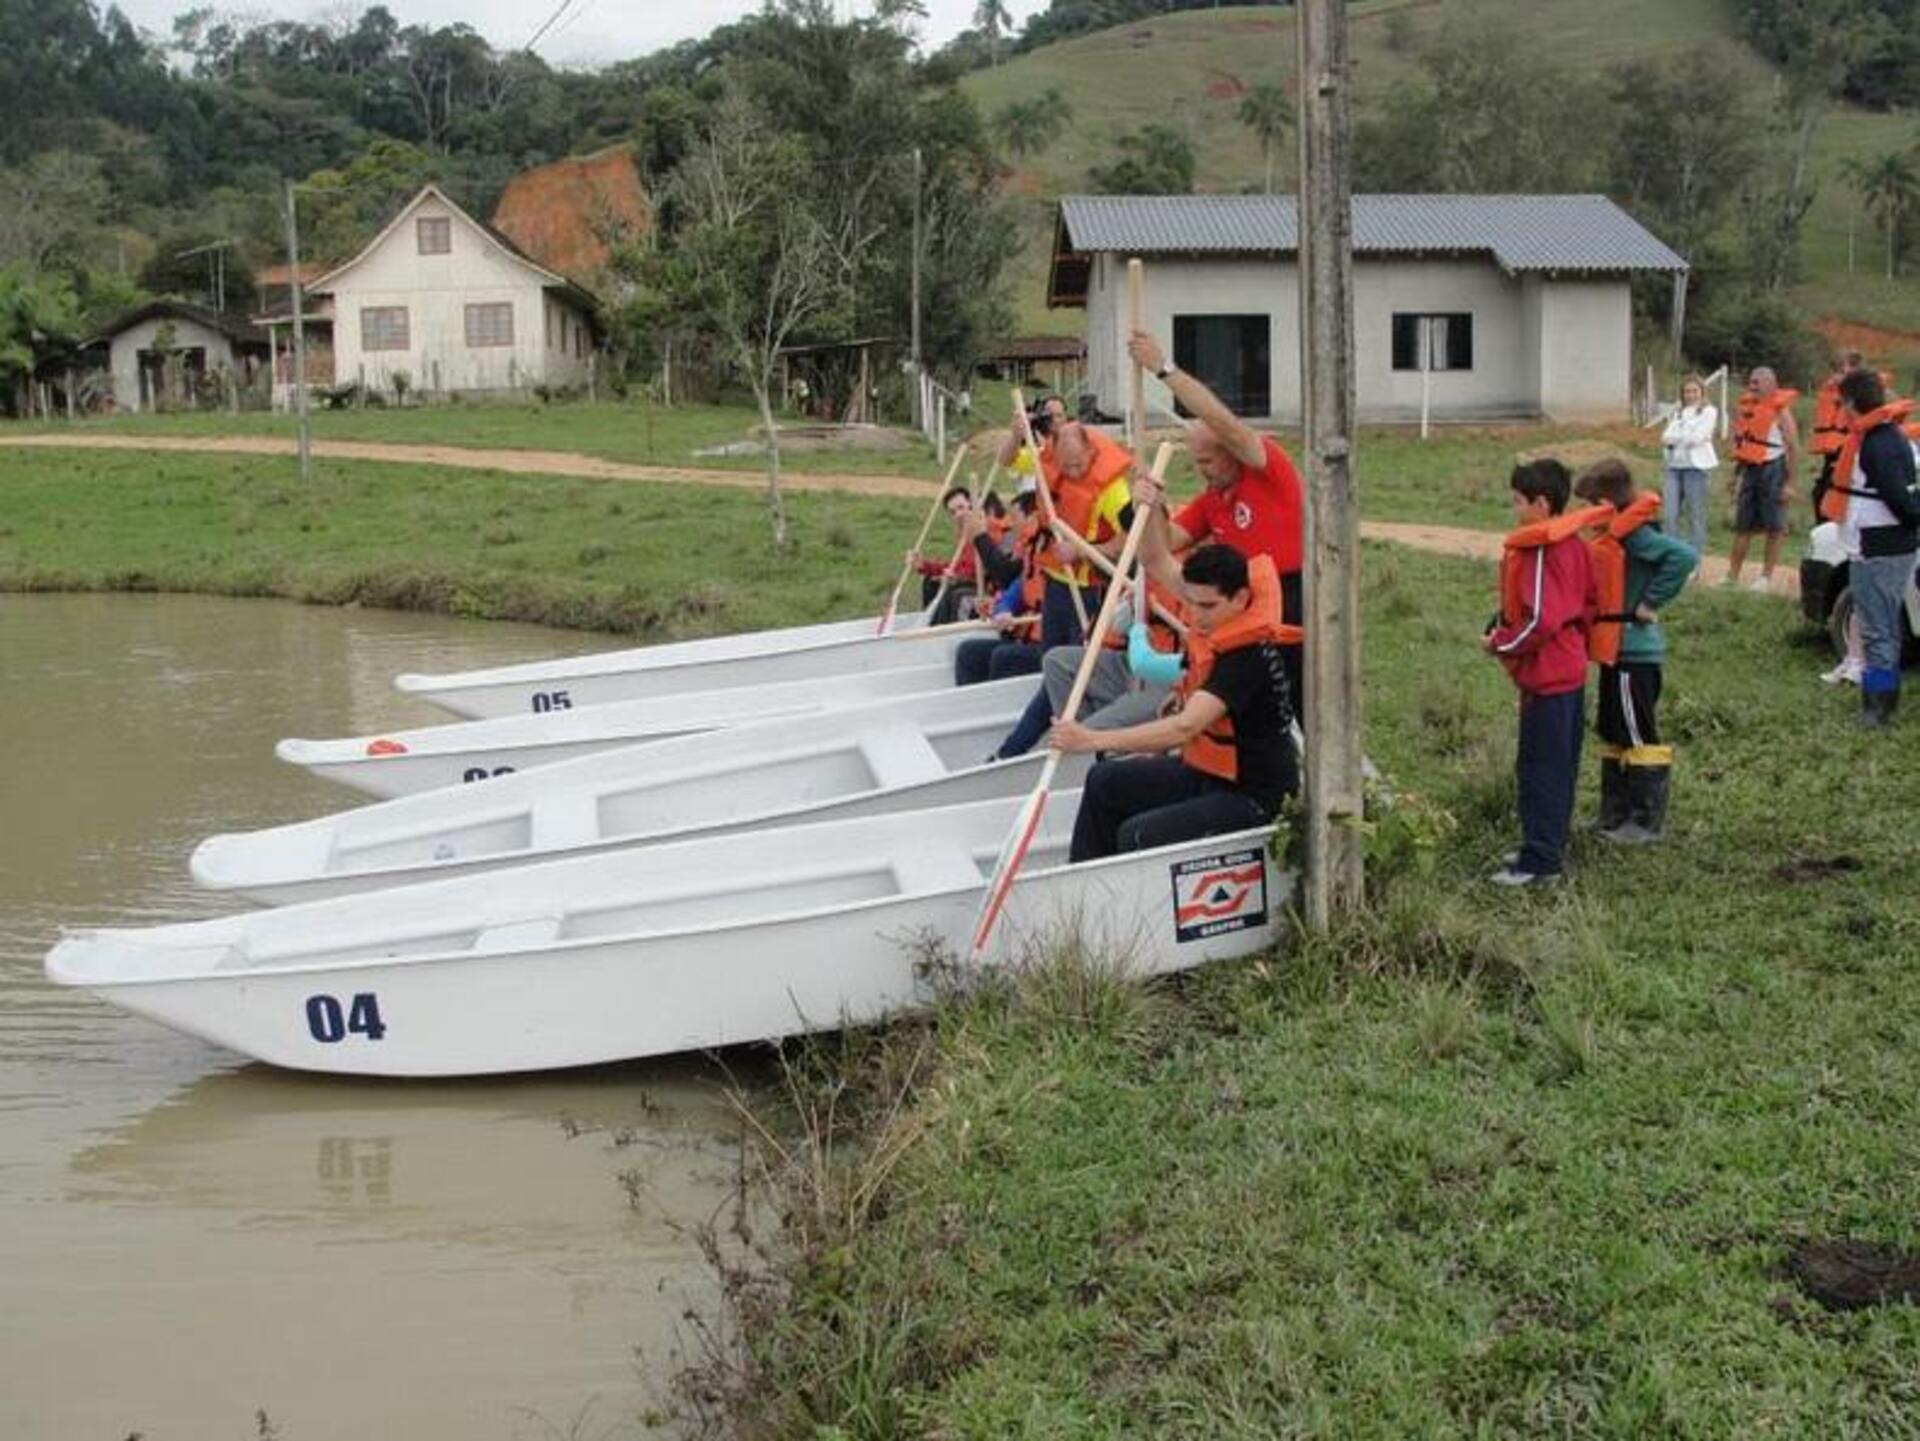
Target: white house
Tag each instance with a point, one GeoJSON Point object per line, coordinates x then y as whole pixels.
{"type": "Point", "coordinates": [201, 348]}
{"type": "Point", "coordinates": [450, 304]}
{"type": "Point", "coordinates": [1513, 305]}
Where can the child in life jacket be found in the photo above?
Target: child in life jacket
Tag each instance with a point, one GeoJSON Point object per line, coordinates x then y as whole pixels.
{"type": "Point", "coordinates": [1547, 607]}
{"type": "Point", "coordinates": [1229, 718]}
{"type": "Point", "coordinates": [1636, 571]}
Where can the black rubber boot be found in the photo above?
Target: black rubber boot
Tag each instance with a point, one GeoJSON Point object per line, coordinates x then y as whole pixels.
{"type": "Point", "coordinates": [1647, 787]}
{"type": "Point", "coordinates": [1615, 807]}
{"type": "Point", "coordinates": [1877, 708]}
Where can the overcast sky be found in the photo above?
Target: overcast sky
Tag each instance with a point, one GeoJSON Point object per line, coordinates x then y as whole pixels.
{"type": "Point", "coordinates": [588, 32]}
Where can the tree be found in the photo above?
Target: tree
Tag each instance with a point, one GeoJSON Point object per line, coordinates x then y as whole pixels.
{"type": "Point", "coordinates": [1890, 185]}
{"type": "Point", "coordinates": [56, 205]}
{"type": "Point", "coordinates": [1682, 143]}
{"type": "Point", "coordinates": [752, 255]}
{"type": "Point", "coordinates": [1154, 160]}
{"type": "Point", "coordinates": [38, 317]}
{"type": "Point", "coordinates": [993, 20]}
{"type": "Point", "coordinates": [1267, 111]}
{"type": "Point", "coordinates": [1028, 127]}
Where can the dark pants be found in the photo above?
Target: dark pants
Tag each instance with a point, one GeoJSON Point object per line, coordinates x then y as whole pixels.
{"type": "Point", "coordinates": [1147, 801]}
{"type": "Point", "coordinates": [1293, 611]}
{"type": "Point", "coordinates": [1548, 772]}
{"type": "Point", "coordinates": [990, 658]}
{"type": "Point", "coordinates": [1059, 622]}
{"type": "Point", "coordinates": [1629, 696]}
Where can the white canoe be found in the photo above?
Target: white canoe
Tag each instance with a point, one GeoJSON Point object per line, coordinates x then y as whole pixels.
{"type": "Point", "coordinates": [642, 952]}
{"type": "Point", "coordinates": [905, 754]}
{"type": "Point", "coordinates": [402, 763]}
{"type": "Point", "coordinates": [721, 663]}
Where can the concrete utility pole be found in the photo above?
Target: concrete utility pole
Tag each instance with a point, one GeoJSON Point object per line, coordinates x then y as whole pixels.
{"type": "Point", "coordinates": [299, 340]}
{"type": "Point", "coordinates": [1335, 802]}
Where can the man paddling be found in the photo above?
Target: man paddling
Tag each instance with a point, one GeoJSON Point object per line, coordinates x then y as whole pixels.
{"type": "Point", "coordinates": [1253, 499]}
{"type": "Point", "coordinates": [1229, 718]}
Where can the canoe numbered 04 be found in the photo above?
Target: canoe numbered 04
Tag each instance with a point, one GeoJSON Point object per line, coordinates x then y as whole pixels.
{"type": "Point", "coordinates": [399, 763]}
{"type": "Point", "coordinates": [640, 952]}
{"type": "Point", "coordinates": [722, 663]}
{"type": "Point", "coordinates": [909, 753]}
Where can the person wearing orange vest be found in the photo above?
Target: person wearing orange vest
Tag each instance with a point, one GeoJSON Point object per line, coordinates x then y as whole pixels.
{"type": "Point", "coordinates": [1229, 717]}
{"type": "Point", "coordinates": [1766, 441]}
{"type": "Point", "coordinates": [1547, 605]}
{"type": "Point", "coordinates": [1636, 570]}
{"type": "Point", "coordinates": [1874, 478]}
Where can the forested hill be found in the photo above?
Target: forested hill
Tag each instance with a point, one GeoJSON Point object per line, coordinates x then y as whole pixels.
{"type": "Point", "coordinates": [1669, 106]}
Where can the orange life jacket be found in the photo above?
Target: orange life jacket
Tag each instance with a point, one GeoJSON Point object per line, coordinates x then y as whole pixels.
{"type": "Point", "coordinates": [1754, 420]}
{"type": "Point", "coordinates": [1609, 552]}
{"type": "Point", "coordinates": [1160, 635]}
{"type": "Point", "coordinates": [1074, 498]}
{"type": "Point", "coordinates": [1833, 505]}
{"type": "Point", "coordinates": [1213, 751]}
{"type": "Point", "coordinates": [1514, 591]}
{"type": "Point", "coordinates": [1829, 423]}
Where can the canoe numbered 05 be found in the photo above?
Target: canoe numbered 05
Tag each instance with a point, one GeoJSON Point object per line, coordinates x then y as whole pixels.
{"type": "Point", "coordinates": [695, 944]}
{"type": "Point", "coordinates": [722, 663]}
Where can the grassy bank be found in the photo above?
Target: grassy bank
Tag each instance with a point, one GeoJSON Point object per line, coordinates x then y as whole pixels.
{"type": "Point", "coordinates": [651, 560]}
{"type": "Point", "coordinates": [1479, 1165]}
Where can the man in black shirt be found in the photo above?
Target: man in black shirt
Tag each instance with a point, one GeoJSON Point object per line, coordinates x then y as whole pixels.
{"type": "Point", "coordinates": [1229, 718]}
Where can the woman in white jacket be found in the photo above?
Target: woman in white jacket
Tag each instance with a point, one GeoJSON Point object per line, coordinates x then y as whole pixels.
{"type": "Point", "coordinates": [1689, 445]}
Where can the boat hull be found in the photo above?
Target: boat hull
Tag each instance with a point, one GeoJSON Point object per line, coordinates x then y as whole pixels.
{"type": "Point", "coordinates": [405, 763]}
{"type": "Point", "coordinates": [814, 949]}
{"type": "Point", "coordinates": [723, 663]}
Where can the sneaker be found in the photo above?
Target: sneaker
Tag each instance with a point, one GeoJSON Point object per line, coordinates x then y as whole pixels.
{"type": "Point", "coordinates": [1513, 878]}
{"type": "Point", "coordinates": [1846, 673]}
{"type": "Point", "coordinates": [1760, 585]}
{"type": "Point", "coordinates": [1632, 834]}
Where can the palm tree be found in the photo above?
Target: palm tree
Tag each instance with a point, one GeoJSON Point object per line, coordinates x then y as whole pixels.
{"type": "Point", "coordinates": [1853, 170]}
{"type": "Point", "coordinates": [1890, 187]}
{"type": "Point", "coordinates": [1268, 113]}
{"type": "Point", "coordinates": [992, 19]}
{"type": "Point", "coordinates": [1029, 126]}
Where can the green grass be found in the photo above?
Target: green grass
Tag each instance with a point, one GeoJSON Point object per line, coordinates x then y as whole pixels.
{"type": "Point", "coordinates": [1477, 1165]}
{"type": "Point", "coordinates": [1184, 70]}
{"type": "Point", "coordinates": [647, 559]}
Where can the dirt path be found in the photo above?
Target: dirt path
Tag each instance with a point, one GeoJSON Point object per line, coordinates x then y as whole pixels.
{"type": "Point", "coordinates": [1443, 539]}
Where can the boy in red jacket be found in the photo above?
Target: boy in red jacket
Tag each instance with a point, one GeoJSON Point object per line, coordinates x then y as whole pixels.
{"type": "Point", "coordinates": [1547, 605]}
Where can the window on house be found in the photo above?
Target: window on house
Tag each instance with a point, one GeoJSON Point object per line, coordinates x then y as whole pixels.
{"type": "Point", "coordinates": [579, 342]}
{"type": "Point", "coordinates": [548, 310]}
{"type": "Point", "coordinates": [383, 327]}
{"type": "Point", "coordinates": [490, 324]}
{"type": "Point", "coordinates": [1231, 356]}
{"type": "Point", "coordinates": [1449, 340]}
{"type": "Point", "coordinates": [435, 234]}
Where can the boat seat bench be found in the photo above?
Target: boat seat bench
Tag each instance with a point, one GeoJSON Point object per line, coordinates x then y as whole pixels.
{"type": "Point", "coordinates": [934, 867]}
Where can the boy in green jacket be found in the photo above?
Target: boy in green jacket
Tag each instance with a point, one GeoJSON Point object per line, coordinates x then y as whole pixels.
{"type": "Point", "coordinates": [1637, 569]}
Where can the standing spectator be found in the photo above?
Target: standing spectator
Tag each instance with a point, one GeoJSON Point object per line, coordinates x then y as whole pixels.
{"type": "Point", "coordinates": [1547, 605]}
{"type": "Point", "coordinates": [1874, 476]}
{"type": "Point", "coordinates": [1688, 440]}
{"type": "Point", "coordinates": [1766, 442]}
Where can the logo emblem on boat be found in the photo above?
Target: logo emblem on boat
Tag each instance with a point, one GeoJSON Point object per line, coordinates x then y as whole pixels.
{"type": "Point", "coordinates": [1216, 894]}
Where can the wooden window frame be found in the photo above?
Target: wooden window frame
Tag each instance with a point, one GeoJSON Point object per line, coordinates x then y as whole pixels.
{"type": "Point", "coordinates": [472, 313]}
{"type": "Point", "coordinates": [442, 226]}
{"type": "Point", "coordinates": [374, 315]}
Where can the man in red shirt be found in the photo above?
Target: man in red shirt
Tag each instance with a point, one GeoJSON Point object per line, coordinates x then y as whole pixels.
{"type": "Point", "coordinates": [1253, 500]}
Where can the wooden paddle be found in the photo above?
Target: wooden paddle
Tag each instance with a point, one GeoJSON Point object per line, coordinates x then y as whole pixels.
{"type": "Point", "coordinates": [906, 570]}
{"type": "Point", "coordinates": [1025, 426]}
{"type": "Point", "coordinates": [1014, 850]}
{"type": "Point", "coordinates": [1137, 377]}
{"type": "Point", "coordinates": [980, 493]}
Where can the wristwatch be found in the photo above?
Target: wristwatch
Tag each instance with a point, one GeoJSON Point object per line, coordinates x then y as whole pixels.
{"type": "Point", "coordinates": [1164, 371]}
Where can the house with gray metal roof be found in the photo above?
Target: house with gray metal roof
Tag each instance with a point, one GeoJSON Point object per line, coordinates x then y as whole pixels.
{"type": "Point", "coordinates": [1475, 306]}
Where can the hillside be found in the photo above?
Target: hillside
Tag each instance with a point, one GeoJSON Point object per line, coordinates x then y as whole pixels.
{"type": "Point", "coordinates": [1190, 70]}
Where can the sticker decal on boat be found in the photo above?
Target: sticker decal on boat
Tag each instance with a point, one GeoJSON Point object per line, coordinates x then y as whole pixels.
{"type": "Point", "coordinates": [1213, 895]}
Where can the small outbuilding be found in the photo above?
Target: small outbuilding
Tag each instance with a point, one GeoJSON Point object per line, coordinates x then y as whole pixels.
{"type": "Point", "coordinates": [1481, 306]}
{"type": "Point", "coordinates": [168, 353]}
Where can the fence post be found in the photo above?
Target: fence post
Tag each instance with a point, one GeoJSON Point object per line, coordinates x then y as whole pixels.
{"type": "Point", "coordinates": [940, 427]}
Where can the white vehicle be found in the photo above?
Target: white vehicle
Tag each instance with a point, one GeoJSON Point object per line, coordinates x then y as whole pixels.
{"type": "Point", "coordinates": [911, 753]}
{"type": "Point", "coordinates": [1826, 596]}
{"type": "Point", "coordinates": [643, 952]}
{"type": "Point", "coordinates": [721, 663]}
{"type": "Point", "coordinates": [401, 763]}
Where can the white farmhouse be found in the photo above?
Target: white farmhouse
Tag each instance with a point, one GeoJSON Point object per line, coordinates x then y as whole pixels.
{"type": "Point", "coordinates": [168, 353]}
{"type": "Point", "coordinates": [1488, 306]}
{"type": "Point", "coordinates": [449, 304]}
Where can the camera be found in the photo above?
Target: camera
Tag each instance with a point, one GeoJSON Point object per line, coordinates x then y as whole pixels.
{"type": "Point", "coordinates": [1040, 419]}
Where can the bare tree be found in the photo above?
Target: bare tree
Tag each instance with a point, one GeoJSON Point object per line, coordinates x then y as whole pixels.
{"type": "Point", "coordinates": [755, 258]}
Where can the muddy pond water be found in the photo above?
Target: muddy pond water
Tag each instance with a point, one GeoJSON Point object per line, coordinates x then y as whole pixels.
{"type": "Point", "coordinates": [188, 1240]}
